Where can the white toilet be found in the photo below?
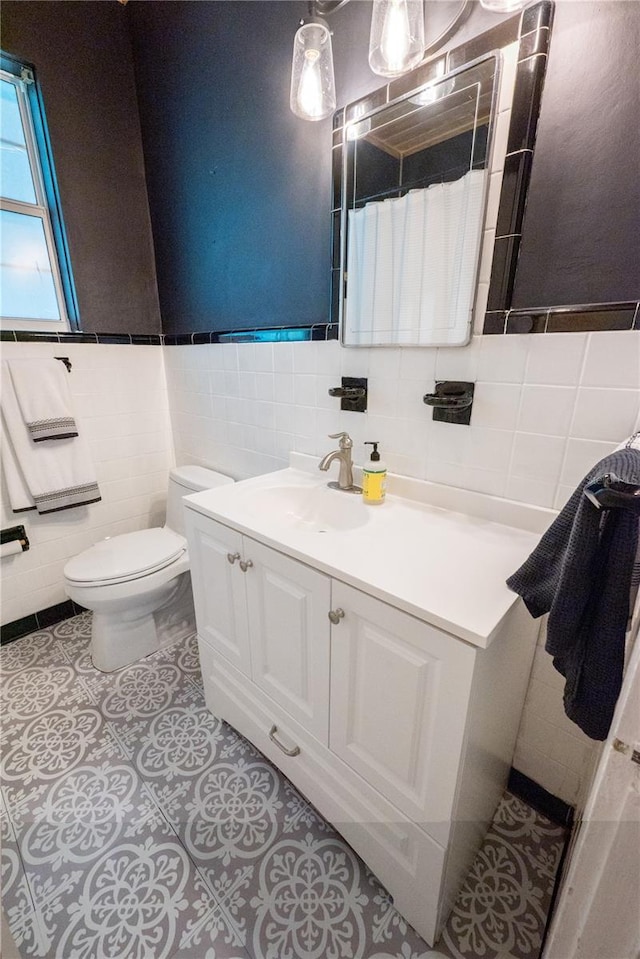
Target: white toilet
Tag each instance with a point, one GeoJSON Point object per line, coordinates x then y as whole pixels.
{"type": "Point", "coordinates": [137, 584]}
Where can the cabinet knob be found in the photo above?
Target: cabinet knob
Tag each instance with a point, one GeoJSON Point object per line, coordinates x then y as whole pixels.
{"type": "Point", "coordinates": [245, 564]}
{"type": "Point", "coordinates": [232, 557]}
{"type": "Point", "coordinates": [335, 615]}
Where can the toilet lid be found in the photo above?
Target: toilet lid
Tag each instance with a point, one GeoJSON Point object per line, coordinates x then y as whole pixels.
{"type": "Point", "coordinates": [126, 556]}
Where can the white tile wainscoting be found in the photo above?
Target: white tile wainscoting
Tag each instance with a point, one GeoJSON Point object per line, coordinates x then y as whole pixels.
{"type": "Point", "coordinates": [546, 408]}
{"type": "Point", "coordinates": [120, 399]}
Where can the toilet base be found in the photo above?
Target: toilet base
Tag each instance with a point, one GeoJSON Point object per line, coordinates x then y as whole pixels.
{"type": "Point", "coordinates": [120, 637]}
{"type": "Point", "coordinates": [117, 641]}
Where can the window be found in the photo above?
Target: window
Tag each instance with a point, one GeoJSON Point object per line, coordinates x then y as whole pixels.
{"type": "Point", "coordinates": [36, 288]}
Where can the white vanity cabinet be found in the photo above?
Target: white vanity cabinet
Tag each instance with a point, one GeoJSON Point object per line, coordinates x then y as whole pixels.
{"type": "Point", "coordinates": [399, 696]}
{"type": "Point", "coordinates": [267, 614]}
{"type": "Point", "coordinates": [218, 591]}
{"type": "Point", "coordinates": [400, 732]}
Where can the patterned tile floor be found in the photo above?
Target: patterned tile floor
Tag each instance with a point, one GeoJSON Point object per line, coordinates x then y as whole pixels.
{"type": "Point", "coordinates": [135, 825]}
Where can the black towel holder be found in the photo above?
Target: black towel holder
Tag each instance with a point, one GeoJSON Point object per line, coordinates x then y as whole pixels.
{"type": "Point", "coordinates": [608, 492]}
{"type": "Point", "coordinates": [65, 360]}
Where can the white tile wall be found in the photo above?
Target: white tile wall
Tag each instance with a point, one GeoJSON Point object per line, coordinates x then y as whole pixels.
{"type": "Point", "coordinates": [533, 434]}
{"type": "Point", "coordinates": [546, 408]}
{"type": "Point", "coordinates": [550, 749]}
{"type": "Point", "coordinates": [120, 398]}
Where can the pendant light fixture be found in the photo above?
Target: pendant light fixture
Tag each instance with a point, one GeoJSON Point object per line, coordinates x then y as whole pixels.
{"type": "Point", "coordinates": [313, 87]}
{"type": "Point", "coordinates": [396, 43]}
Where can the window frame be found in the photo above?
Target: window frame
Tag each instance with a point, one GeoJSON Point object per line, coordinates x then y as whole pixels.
{"type": "Point", "coordinates": [47, 205]}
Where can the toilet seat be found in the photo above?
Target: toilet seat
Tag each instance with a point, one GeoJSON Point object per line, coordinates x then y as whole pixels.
{"type": "Point", "coordinates": [126, 557]}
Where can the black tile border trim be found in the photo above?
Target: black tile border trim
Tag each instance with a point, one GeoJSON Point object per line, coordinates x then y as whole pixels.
{"type": "Point", "coordinates": [574, 318]}
{"type": "Point", "coordinates": [555, 809]}
{"type": "Point", "coordinates": [278, 334]}
{"type": "Point", "coordinates": [126, 339]}
{"type": "Point", "coordinates": [578, 318]}
{"type": "Point", "coordinates": [40, 620]}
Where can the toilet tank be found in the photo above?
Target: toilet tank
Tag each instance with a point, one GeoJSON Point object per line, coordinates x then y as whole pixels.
{"type": "Point", "coordinates": [184, 480]}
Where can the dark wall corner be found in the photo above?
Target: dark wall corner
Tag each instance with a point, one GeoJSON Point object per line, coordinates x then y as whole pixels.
{"type": "Point", "coordinates": [82, 54]}
{"type": "Point", "coordinates": [579, 240]}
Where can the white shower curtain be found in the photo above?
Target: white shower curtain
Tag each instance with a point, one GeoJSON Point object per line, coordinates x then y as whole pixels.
{"type": "Point", "coordinates": [411, 264]}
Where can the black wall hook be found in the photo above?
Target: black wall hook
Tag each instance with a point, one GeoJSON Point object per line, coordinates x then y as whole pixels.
{"type": "Point", "coordinates": [352, 394]}
{"type": "Point", "coordinates": [608, 492]}
{"type": "Point", "coordinates": [451, 402]}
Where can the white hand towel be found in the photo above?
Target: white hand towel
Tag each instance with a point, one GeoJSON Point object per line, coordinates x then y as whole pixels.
{"type": "Point", "coordinates": [57, 475]}
{"type": "Point", "coordinates": [19, 496]}
{"type": "Point", "coordinates": [42, 390]}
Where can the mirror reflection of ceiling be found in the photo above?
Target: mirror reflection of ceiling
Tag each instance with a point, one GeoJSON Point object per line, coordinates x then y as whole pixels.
{"type": "Point", "coordinates": [453, 106]}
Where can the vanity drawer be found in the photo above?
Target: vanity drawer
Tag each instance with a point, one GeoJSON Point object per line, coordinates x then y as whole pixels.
{"type": "Point", "coordinates": [405, 859]}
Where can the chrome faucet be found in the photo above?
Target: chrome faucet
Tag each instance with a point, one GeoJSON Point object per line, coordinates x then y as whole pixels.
{"type": "Point", "coordinates": [343, 454]}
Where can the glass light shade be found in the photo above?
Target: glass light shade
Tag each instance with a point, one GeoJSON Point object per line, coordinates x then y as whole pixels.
{"type": "Point", "coordinates": [313, 87]}
{"type": "Point", "coordinates": [396, 43]}
{"type": "Point", "coordinates": [502, 6]}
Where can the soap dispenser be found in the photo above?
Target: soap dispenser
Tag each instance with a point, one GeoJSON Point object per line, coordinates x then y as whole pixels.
{"type": "Point", "coordinates": [374, 478]}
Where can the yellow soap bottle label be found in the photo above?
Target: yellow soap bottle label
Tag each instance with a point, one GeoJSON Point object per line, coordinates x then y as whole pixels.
{"type": "Point", "coordinates": [374, 487]}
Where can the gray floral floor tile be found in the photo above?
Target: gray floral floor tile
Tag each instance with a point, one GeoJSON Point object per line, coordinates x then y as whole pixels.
{"type": "Point", "coordinates": [16, 898]}
{"type": "Point", "coordinates": [49, 745]}
{"type": "Point", "coordinates": [142, 691]}
{"type": "Point", "coordinates": [209, 935]}
{"type": "Point", "coordinates": [139, 898]}
{"type": "Point", "coordinates": [503, 904]}
{"type": "Point", "coordinates": [136, 824]}
{"type": "Point", "coordinates": [36, 689]}
{"type": "Point", "coordinates": [37, 649]}
{"type": "Point", "coordinates": [82, 814]}
{"type": "Point", "coordinates": [309, 895]}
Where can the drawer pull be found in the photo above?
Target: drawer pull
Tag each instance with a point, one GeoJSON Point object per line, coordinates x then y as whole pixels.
{"type": "Point", "coordinates": [288, 752]}
{"type": "Point", "coordinates": [245, 564]}
{"type": "Point", "coordinates": [335, 615]}
{"type": "Point", "coordinates": [232, 557]}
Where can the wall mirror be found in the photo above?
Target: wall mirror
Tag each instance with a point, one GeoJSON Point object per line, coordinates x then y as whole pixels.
{"type": "Point", "coordinates": [414, 183]}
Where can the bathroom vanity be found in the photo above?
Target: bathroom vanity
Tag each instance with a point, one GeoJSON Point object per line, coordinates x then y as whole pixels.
{"type": "Point", "coordinates": [374, 655]}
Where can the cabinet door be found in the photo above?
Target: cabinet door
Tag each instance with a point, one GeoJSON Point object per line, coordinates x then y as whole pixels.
{"type": "Point", "coordinates": [399, 697]}
{"type": "Point", "coordinates": [288, 605]}
{"type": "Point", "coordinates": [218, 588]}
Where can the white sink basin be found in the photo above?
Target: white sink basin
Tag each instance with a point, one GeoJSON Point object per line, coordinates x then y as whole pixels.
{"type": "Point", "coordinates": [439, 553]}
{"type": "Point", "coordinates": [312, 508]}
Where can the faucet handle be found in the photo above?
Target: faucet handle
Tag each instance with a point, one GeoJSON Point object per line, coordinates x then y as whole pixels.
{"type": "Point", "coordinates": [346, 442]}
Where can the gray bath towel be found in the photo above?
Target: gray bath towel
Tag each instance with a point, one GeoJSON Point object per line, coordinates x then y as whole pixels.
{"type": "Point", "coordinates": [580, 573]}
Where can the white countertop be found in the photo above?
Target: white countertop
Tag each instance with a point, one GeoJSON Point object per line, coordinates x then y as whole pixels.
{"type": "Point", "coordinates": [439, 553]}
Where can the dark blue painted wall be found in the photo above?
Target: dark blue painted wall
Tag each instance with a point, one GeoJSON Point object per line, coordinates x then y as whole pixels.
{"type": "Point", "coordinates": [239, 188]}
